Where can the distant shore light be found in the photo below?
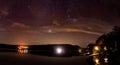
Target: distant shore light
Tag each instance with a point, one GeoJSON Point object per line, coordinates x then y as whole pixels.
{"type": "Point", "coordinates": [59, 50]}
{"type": "Point", "coordinates": [22, 49]}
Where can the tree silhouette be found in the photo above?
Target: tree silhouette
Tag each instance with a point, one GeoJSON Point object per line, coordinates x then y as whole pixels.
{"type": "Point", "coordinates": [112, 42]}
{"type": "Point", "coordinates": [112, 39]}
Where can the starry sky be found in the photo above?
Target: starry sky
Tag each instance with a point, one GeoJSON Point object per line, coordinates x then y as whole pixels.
{"type": "Point", "coordinates": [78, 22]}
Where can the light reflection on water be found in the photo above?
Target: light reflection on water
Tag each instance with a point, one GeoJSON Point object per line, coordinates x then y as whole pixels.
{"type": "Point", "coordinates": [98, 60]}
{"type": "Point", "coordinates": [23, 51]}
{"type": "Point", "coordinates": [94, 60]}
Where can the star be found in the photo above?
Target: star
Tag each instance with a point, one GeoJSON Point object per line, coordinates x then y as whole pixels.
{"type": "Point", "coordinates": [49, 30]}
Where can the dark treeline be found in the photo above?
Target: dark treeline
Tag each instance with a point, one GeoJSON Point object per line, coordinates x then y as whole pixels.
{"type": "Point", "coordinates": [112, 42]}
{"type": "Point", "coordinates": [46, 50]}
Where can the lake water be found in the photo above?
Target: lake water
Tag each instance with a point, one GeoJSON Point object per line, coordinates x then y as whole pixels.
{"type": "Point", "coordinates": [9, 58]}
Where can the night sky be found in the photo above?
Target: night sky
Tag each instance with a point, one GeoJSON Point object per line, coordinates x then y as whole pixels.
{"type": "Point", "coordinates": [56, 21]}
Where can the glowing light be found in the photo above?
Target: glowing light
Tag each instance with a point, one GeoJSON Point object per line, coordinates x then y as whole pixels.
{"type": "Point", "coordinates": [97, 61]}
{"type": "Point", "coordinates": [106, 60]}
{"type": "Point", "coordinates": [96, 48]}
{"type": "Point", "coordinates": [79, 50]}
{"type": "Point", "coordinates": [105, 48]}
{"type": "Point", "coordinates": [59, 50]}
{"type": "Point", "coordinates": [22, 49]}
{"type": "Point", "coordinates": [49, 30]}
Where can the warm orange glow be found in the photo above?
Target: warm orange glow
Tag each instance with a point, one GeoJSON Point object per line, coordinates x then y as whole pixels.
{"type": "Point", "coordinates": [96, 60]}
{"type": "Point", "coordinates": [22, 49]}
{"type": "Point", "coordinates": [96, 48]}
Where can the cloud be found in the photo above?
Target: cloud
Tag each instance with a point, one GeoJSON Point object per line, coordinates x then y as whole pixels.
{"type": "Point", "coordinates": [4, 11]}
{"type": "Point", "coordinates": [17, 25]}
{"type": "Point", "coordinates": [88, 26]}
{"type": "Point", "coordinates": [94, 27]}
{"type": "Point", "coordinates": [76, 30]}
{"type": "Point", "coordinates": [68, 29]}
{"type": "Point", "coordinates": [2, 29]}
